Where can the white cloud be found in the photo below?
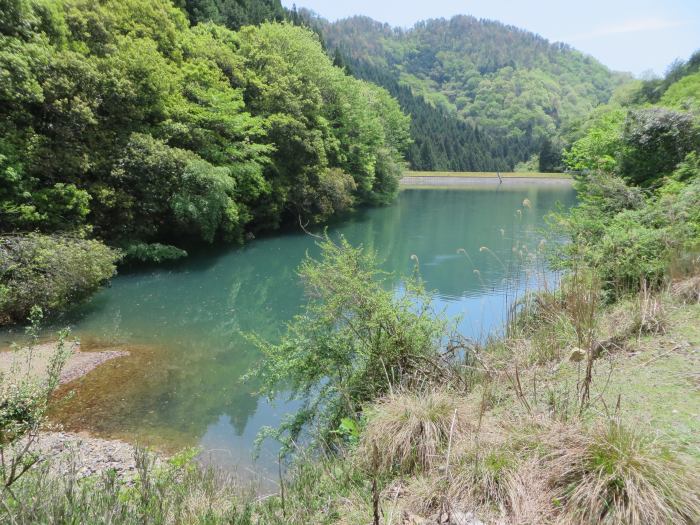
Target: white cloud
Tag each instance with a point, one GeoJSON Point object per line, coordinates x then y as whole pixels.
{"type": "Point", "coordinates": [638, 25]}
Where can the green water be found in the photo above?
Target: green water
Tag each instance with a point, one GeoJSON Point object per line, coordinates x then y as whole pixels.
{"type": "Point", "coordinates": [182, 386]}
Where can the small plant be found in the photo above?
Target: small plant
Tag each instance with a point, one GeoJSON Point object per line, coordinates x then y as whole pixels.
{"type": "Point", "coordinates": [23, 404]}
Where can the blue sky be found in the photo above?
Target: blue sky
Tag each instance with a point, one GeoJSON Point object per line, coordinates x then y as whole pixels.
{"type": "Point", "coordinates": [626, 35]}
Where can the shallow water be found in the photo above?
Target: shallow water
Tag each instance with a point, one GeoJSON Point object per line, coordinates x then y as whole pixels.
{"type": "Point", "coordinates": [183, 325]}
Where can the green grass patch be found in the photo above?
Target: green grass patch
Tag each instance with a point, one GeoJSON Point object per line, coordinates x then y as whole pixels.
{"type": "Point", "coordinates": [658, 382]}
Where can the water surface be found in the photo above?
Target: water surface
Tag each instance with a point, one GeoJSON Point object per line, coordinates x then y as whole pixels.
{"type": "Point", "coordinates": [182, 386]}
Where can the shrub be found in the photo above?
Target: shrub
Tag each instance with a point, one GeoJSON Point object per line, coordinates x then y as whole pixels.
{"type": "Point", "coordinates": [24, 401]}
{"type": "Point", "coordinates": [610, 194]}
{"type": "Point", "coordinates": [655, 140]}
{"type": "Point", "coordinates": [51, 272]}
{"type": "Point", "coordinates": [354, 339]}
{"type": "Point", "coordinates": [630, 252]}
{"type": "Point", "coordinates": [142, 252]}
{"type": "Point", "coordinates": [628, 239]}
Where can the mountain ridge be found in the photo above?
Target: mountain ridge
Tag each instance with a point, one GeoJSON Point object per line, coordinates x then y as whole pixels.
{"type": "Point", "coordinates": [511, 83]}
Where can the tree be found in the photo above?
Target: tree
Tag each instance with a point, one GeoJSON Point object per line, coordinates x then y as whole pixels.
{"type": "Point", "coordinates": [354, 339]}
{"type": "Point", "coordinates": [550, 157]}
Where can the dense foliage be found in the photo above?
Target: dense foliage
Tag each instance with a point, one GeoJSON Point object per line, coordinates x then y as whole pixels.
{"type": "Point", "coordinates": [50, 272]}
{"type": "Point", "coordinates": [120, 119]}
{"type": "Point", "coordinates": [639, 218]}
{"type": "Point", "coordinates": [441, 140]}
{"type": "Point", "coordinates": [512, 84]}
{"type": "Point", "coordinates": [233, 13]}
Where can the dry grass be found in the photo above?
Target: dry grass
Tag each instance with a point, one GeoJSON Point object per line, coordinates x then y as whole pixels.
{"type": "Point", "coordinates": [411, 431]}
{"type": "Point", "coordinates": [548, 472]}
{"type": "Point", "coordinates": [614, 475]}
{"type": "Point", "coordinates": [644, 314]}
{"type": "Point", "coordinates": [687, 290]}
{"type": "Point", "coordinates": [652, 318]}
{"type": "Point", "coordinates": [526, 467]}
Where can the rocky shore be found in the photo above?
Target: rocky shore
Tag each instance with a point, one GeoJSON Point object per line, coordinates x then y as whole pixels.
{"type": "Point", "coordinates": [69, 451]}
{"type": "Point", "coordinates": [86, 455]}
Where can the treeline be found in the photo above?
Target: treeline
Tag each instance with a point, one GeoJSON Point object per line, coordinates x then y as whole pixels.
{"type": "Point", "coordinates": [682, 82]}
{"type": "Point", "coordinates": [234, 14]}
{"type": "Point", "coordinates": [124, 123]}
{"type": "Point", "coordinates": [518, 119]}
{"type": "Point", "coordinates": [440, 140]}
{"type": "Point", "coordinates": [515, 87]}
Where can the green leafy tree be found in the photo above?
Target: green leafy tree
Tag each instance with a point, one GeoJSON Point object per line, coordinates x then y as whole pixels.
{"type": "Point", "coordinates": [600, 147]}
{"type": "Point", "coordinates": [122, 120]}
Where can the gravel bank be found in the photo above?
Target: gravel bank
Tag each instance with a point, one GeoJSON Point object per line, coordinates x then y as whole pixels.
{"type": "Point", "coordinates": [66, 451]}
{"type": "Point", "coordinates": [78, 364]}
{"type": "Point", "coordinates": [86, 455]}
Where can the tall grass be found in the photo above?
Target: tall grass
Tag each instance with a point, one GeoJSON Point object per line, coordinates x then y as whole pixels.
{"type": "Point", "coordinates": [171, 493]}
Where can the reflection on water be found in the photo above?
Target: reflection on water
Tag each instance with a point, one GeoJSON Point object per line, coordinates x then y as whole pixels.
{"type": "Point", "coordinates": [182, 385]}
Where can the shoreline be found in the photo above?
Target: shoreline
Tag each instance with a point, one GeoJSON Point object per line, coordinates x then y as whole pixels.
{"type": "Point", "coordinates": [85, 453]}
{"type": "Point", "coordinates": [442, 181]}
{"type": "Point", "coordinates": [78, 364]}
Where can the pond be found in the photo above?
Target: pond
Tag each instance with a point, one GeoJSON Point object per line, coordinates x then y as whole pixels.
{"type": "Point", "coordinates": [184, 325]}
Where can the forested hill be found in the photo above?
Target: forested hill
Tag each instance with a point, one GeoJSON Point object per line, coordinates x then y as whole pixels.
{"type": "Point", "coordinates": [441, 140]}
{"type": "Point", "coordinates": [516, 86]}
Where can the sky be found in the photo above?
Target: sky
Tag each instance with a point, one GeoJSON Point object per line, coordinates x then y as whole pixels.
{"type": "Point", "coordinates": [626, 35]}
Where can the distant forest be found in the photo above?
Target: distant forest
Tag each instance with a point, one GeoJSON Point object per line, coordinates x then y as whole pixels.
{"type": "Point", "coordinates": [483, 96]}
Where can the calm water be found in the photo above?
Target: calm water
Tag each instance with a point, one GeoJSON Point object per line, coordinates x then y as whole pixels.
{"type": "Point", "coordinates": [182, 385]}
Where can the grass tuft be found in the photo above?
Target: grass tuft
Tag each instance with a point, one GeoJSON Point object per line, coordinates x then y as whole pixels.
{"type": "Point", "coordinates": [615, 475]}
{"type": "Point", "coordinates": [410, 431]}
{"type": "Point", "coordinates": [687, 290]}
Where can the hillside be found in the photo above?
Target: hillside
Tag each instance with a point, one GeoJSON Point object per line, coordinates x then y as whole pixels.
{"type": "Point", "coordinates": [515, 85]}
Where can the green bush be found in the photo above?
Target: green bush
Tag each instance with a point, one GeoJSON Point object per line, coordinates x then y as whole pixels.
{"type": "Point", "coordinates": [655, 141]}
{"type": "Point", "coordinates": [353, 341]}
{"type": "Point", "coordinates": [629, 236]}
{"type": "Point", "coordinates": [49, 271]}
{"type": "Point", "coordinates": [142, 252]}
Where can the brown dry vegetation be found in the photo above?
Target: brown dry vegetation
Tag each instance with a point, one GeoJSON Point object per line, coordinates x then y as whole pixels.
{"type": "Point", "coordinates": [525, 445]}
